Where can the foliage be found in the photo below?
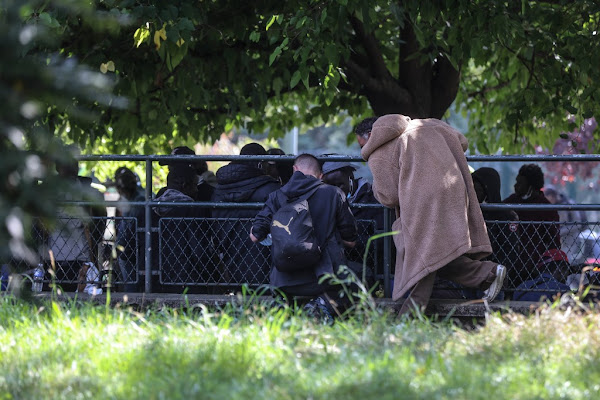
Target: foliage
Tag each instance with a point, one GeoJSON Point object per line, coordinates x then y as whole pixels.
{"type": "Point", "coordinates": [196, 69]}
{"type": "Point", "coordinates": [33, 83]}
{"type": "Point", "coordinates": [74, 351]}
{"type": "Point", "coordinates": [579, 141]}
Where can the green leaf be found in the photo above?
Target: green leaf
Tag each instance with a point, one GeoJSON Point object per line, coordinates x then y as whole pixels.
{"type": "Point", "coordinates": [254, 36]}
{"type": "Point", "coordinates": [271, 21]}
{"type": "Point", "coordinates": [570, 108]}
{"type": "Point", "coordinates": [185, 24]}
{"type": "Point", "coordinates": [295, 79]}
{"type": "Point", "coordinates": [332, 53]}
{"type": "Point", "coordinates": [305, 75]}
{"type": "Point", "coordinates": [274, 55]}
{"type": "Point", "coordinates": [324, 15]}
{"type": "Point", "coordinates": [140, 36]}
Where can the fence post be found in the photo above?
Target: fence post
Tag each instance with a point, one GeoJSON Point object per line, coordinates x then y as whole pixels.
{"type": "Point", "coordinates": [147, 236]}
{"type": "Point", "coordinates": [387, 252]}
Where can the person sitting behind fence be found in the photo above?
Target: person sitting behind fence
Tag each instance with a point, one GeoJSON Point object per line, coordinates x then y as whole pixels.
{"type": "Point", "coordinates": [572, 223]}
{"type": "Point", "coordinates": [553, 269]}
{"type": "Point", "coordinates": [242, 182]}
{"type": "Point", "coordinates": [281, 171]}
{"type": "Point", "coordinates": [80, 229]}
{"type": "Point", "coordinates": [206, 179]}
{"type": "Point", "coordinates": [359, 191]}
{"type": "Point", "coordinates": [503, 234]}
{"type": "Point", "coordinates": [334, 227]}
{"type": "Point", "coordinates": [130, 244]}
{"type": "Point", "coordinates": [184, 250]}
{"type": "Point", "coordinates": [535, 236]}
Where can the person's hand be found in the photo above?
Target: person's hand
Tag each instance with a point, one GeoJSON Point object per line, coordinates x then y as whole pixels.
{"type": "Point", "coordinates": [253, 238]}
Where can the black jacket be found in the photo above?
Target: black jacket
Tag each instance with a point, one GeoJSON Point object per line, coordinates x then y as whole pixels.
{"type": "Point", "coordinates": [364, 216]}
{"type": "Point", "coordinates": [333, 221]}
{"type": "Point", "coordinates": [241, 183]}
{"type": "Point", "coordinates": [364, 195]}
{"type": "Point", "coordinates": [535, 236]}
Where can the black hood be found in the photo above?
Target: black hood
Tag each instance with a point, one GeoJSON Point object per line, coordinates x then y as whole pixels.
{"type": "Point", "coordinates": [299, 184]}
{"type": "Point", "coordinates": [237, 182]}
{"type": "Point", "coordinates": [490, 180]}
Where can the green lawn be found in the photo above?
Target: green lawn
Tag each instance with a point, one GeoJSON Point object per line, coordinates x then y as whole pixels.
{"type": "Point", "coordinates": [73, 351]}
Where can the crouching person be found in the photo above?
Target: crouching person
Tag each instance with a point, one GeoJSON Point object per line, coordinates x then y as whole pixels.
{"type": "Point", "coordinates": [310, 223]}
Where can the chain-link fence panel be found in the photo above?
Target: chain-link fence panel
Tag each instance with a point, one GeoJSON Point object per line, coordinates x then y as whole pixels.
{"type": "Point", "coordinates": [219, 252]}
{"type": "Point", "coordinates": [72, 243]}
{"type": "Point", "coordinates": [129, 251]}
{"type": "Point", "coordinates": [541, 257]}
{"type": "Point", "coordinates": [211, 252]}
{"type": "Point", "coordinates": [365, 229]}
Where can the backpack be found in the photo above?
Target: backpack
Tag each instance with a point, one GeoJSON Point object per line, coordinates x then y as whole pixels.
{"type": "Point", "coordinates": [295, 246]}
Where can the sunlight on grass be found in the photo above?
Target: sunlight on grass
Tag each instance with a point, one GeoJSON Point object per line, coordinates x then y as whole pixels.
{"type": "Point", "coordinates": [83, 351]}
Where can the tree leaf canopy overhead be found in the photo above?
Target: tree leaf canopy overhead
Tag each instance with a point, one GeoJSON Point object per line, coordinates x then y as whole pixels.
{"type": "Point", "coordinates": [193, 69]}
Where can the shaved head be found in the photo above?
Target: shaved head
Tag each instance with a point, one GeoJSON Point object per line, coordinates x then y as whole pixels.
{"type": "Point", "coordinates": [308, 165]}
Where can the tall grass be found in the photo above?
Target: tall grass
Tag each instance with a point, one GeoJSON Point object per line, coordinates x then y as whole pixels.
{"type": "Point", "coordinates": [83, 351]}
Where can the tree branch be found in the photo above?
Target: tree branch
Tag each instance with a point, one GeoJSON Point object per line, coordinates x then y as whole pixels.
{"type": "Point", "coordinates": [369, 43]}
{"type": "Point", "coordinates": [388, 86]}
{"type": "Point", "coordinates": [444, 86]}
{"type": "Point", "coordinates": [414, 74]}
{"type": "Point", "coordinates": [487, 89]}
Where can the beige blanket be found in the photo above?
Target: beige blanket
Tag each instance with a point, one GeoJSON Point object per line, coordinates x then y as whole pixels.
{"type": "Point", "coordinates": [419, 169]}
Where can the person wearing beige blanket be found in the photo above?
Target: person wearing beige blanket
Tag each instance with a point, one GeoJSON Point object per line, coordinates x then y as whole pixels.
{"type": "Point", "coordinates": [420, 170]}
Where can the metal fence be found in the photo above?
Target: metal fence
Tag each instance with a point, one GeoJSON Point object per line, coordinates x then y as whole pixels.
{"type": "Point", "coordinates": [215, 254]}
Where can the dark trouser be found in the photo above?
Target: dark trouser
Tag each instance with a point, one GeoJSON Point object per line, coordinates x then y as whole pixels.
{"type": "Point", "coordinates": [128, 274]}
{"type": "Point", "coordinates": [463, 270]}
{"type": "Point", "coordinates": [335, 295]}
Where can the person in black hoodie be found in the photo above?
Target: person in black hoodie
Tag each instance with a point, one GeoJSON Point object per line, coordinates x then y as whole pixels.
{"type": "Point", "coordinates": [358, 191]}
{"type": "Point", "coordinates": [206, 179]}
{"type": "Point", "coordinates": [185, 252]}
{"type": "Point", "coordinates": [502, 227]}
{"type": "Point", "coordinates": [333, 224]}
{"type": "Point", "coordinates": [242, 182]}
{"type": "Point", "coordinates": [537, 234]}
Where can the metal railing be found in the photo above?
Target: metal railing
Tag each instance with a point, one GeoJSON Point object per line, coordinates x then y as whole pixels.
{"type": "Point", "coordinates": [213, 254]}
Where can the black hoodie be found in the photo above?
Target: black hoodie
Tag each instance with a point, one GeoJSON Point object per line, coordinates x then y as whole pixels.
{"type": "Point", "coordinates": [333, 221]}
{"type": "Point", "coordinates": [490, 180]}
{"type": "Point", "coordinates": [241, 183]}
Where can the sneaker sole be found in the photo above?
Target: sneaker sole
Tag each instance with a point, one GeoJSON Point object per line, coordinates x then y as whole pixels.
{"type": "Point", "coordinates": [500, 281]}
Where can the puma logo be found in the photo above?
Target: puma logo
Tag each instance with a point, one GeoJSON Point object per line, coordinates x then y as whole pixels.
{"type": "Point", "coordinates": [285, 227]}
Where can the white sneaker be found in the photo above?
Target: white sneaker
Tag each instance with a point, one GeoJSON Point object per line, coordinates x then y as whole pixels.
{"type": "Point", "coordinates": [491, 293]}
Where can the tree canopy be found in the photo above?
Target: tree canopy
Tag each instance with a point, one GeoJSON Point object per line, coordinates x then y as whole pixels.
{"type": "Point", "coordinates": [29, 83]}
{"type": "Point", "coordinates": [524, 71]}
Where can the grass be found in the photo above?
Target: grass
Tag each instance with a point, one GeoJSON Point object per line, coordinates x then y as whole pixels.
{"type": "Point", "coordinates": [74, 351]}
